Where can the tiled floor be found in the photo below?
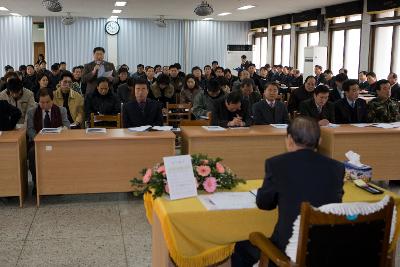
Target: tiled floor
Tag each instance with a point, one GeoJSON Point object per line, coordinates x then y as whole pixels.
{"type": "Point", "coordinates": [87, 230]}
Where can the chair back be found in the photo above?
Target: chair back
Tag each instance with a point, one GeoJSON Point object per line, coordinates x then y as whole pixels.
{"type": "Point", "coordinates": [177, 112]}
{"type": "Point", "coordinates": [337, 240]}
{"type": "Point", "coordinates": [105, 118]}
{"type": "Point", "coordinates": [201, 122]}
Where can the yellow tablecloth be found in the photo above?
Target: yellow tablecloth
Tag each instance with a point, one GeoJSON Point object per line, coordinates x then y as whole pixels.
{"type": "Point", "coordinates": [197, 237]}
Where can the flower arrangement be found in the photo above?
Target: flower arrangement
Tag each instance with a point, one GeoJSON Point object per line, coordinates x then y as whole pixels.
{"type": "Point", "coordinates": [210, 175]}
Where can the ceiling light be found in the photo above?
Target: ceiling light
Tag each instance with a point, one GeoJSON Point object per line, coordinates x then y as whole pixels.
{"type": "Point", "coordinates": [116, 11]}
{"type": "Point", "coordinates": [207, 19]}
{"type": "Point", "coordinates": [224, 14]}
{"type": "Point", "coordinates": [245, 7]}
{"type": "Point", "coordinates": [120, 3]}
{"type": "Point", "coordinates": [15, 14]}
{"type": "Point", "coordinates": [2, 8]}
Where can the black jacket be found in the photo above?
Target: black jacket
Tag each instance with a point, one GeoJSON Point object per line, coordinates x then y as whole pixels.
{"type": "Point", "coordinates": [102, 104]}
{"type": "Point", "coordinates": [264, 114]}
{"type": "Point", "coordinates": [311, 177]}
{"type": "Point", "coordinates": [9, 116]}
{"type": "Point", "coordinates": [334, 95]}
{"type": "Point", "coordinates": [133, 116]}
{"type": "Point", "coordinates": [221, 115]}
{"type": "Point", "coordinates": [344, 113]}
{"type": "Point", "coordinates": [309, 108]}
{"type": "Point", "coordinates": [297, 96]}
{"type": "Point", "coordinates": [396, 92]}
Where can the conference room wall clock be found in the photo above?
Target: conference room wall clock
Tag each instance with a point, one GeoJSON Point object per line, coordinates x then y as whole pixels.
{"type": "Point", "coordinates": [112, 27]}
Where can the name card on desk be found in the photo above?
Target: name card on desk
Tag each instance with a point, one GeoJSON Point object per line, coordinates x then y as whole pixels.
{"type": "Point", "coordinates": [180, 177]}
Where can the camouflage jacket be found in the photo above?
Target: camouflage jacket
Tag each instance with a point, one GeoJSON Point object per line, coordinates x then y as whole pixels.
{"type": "Point", "coordinates": [387, 111]}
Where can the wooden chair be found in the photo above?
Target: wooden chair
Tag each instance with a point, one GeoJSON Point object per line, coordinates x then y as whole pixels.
{"type": "Point", "coordinates": [327, 240]}
{"type": "Point", "coordinates": [202, 122]}
{"type": "Point", "coordinates": [105, 118]}
{"type": "Point", "coordinates": [177, 112]}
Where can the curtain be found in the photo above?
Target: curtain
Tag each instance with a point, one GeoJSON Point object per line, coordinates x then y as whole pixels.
{"type": "Point", "coordinates": [16, 47]}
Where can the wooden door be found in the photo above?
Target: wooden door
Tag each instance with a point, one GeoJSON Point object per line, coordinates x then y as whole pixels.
{"type": "Point", "coordinates": [38, 48]}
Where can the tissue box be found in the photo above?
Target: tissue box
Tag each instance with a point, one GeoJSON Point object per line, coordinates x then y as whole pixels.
{"type": "Point", "coordinates": [354, 172]}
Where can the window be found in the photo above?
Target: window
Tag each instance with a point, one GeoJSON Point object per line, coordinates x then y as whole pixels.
{"type": "Point", "coordinates": [260, 41]}
{"type": "Point", "coordinates": [282, 44]}
{"type": "Point", "coordinates": [307, 35]}
{"type": "Point", "coordinates": [345, 37]}
{"type": "Point", "coordinates": [386, 44]}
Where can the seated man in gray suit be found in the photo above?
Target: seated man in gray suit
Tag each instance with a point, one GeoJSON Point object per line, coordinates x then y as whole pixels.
{"type": "Point", "coordinates": [96, 69]}
{"type": "Point", "coordinates": [270, 111]}
{"type": "Point", "coordinates": [44, 115]}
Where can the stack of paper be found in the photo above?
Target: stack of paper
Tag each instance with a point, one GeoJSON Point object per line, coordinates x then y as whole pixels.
{"type": "Point", "coordinates": [361, 125]}
{"type": "Point", "coordinates": [96, 130]}
{"type": "Point", "coordinates": [228, 201]}
{"type": "Point", "coordinates": [213, 128]}
{"type": "Point", "coordinates": [51, 130]}
{"type": "Point", "coordinates": [139, 129]}
{"type": "Point", "coordinates": [386, 125]}
{"type": "Point", "coordinates": [332, 125]}
{"type": "Point", "coordinates": [162, 128]}
{"type": "Point", "coordinates": [279, 126]}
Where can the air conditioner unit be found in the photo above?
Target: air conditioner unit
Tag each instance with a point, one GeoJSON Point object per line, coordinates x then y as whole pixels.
{"type": "Point", "coordinates": [314, 55]}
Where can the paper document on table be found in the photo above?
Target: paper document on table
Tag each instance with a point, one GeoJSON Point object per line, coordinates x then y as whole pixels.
{"type": "Point", "coordinates": [96, 130]}
{"type": "Point", "coordinates": [279, 126]}
{"type": "Point", "coordinates": [384, 125]}
{"type": "Point", "coordinates": [254, 192]}
{"type": "Point", "coordinates": [332, 125]}
{"type": "Point", "coordinates": [162, 128]}
{"type": "Point", "coordinates": [180, 177]}
{"type": "Point", "coordinates": [51, 130]}
{"type": "Point", "coordinates": [228, 201]}
{"type": "Point", "coordinates": [139, 129]}
{"type": "Point", "coordinates": [213, 128]}
{"type": "Point", "coordinates": [106, 74]}
{"type": "Point", "coordinates": [361, 125]}
{"type": "Point", "coordinates": [239, 128]}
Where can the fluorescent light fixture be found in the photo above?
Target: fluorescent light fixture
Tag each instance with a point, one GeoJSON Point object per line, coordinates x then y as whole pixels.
{"type": "Point", "coordinates": [120, 3]}
{"type": "Point", "coordinates": [116, 11]}
{"type": "Point", "coordinates": [2, 8]}
{"type": "Point", "coordinates": [246, 7]}
{"type": "Point", "coordinates": [224, 14]}
{"type": "Point", "coordinates": [15, 14]}
{"type": "Point", "coordinates": [207, 19]}
{"type": "Point", "coordinates": [113, 18]}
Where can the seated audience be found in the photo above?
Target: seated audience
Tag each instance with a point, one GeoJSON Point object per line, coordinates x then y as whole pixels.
{"type": "Point", "coordinates": [125, 91]}
{"type": "Point", "coordinates": [198, 74]}
{"type": "Point", "coordinates": [102, 101]}
{"type": "Point", "coordinates": [362, 80]}
{"type": "Point", "coordinates": [319, 77]}
{"type": "Point", "coordinates": [231, 78]}
{"type": "Point", "coordinates": [208, 75]}
{"type": "Point", "coordinates": [223, 84]}
{"type": "Point", "coordinates": [279, 76]}
{"type": "Point", "coordinates": [162, 90]}
{"type": "Point", "coordinates": [244, 74]}
{"type": "Point", "coordinates": [253, 75]}
{"type": "Point", "coordinates": [45, 115]}
{"type": "Point", "coordinates": [219, 72]}
{"type": "Point", "coordinates": [175, 80]}
{"type": "Point", "coordinates": [301, 175]}
{"type": "Point", "coordinates": [328, 79]}
{"type": "Point", "coordinates": [297, 80]}
{"type": "Point", "coordinates": [351, 109]}
{"type": "Point", "coordinates": [30, 78]}
{"type": "Point", "coordinates": [71, 100]}
{"type": "Point", "coordinates": [54, 76]}
{"type": "Point", "coordinates": [263, 79]}
{"type": "Point", "coordinates": [270, 110]}
{"type": "Point", "coordinates": [371, 79]}
{"type": "Point", "coordinates": [77, 83]}
{"type": "Point", "coordinates": [120, 79]}
{"type": "Point", "coordinates": [9, 116]}
{"type": "Point", "coordinates": [319, 107]}
{"type": "Point", "coordinates": [300, 94]}
{"type": "Point", "coordinates": [337, 91]}
{"type": "Point", "coordinates": [142, 110]}
{"type": "Point", "coordinates": [190, 89]}
{"type": "Point", "coordinates": [343, 70]}
{"type": "Point", "coordinates": [139, 74]}
{"type": "Point", "coordinates": [150, 76]}
{"type": "Point", "coordinates": [42, 81]}
{"type": "Point", "coordinates": [19, 97]}
{"type": "Point", "coordinates": [204, 101]}
{"type": "Point", "coordinates": [382, 108]}
{"type": "Point", "coordinates": [231, 111]}
{"type": "Point", "coordinates": [249, 94]}
{"type": "Point", "coordinates": [395, 87]}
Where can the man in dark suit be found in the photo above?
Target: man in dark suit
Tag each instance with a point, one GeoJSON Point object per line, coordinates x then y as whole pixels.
{"type": "Point", "coordinates": [96, 69]}
{"type": "Point", "coordinates": [270, 110]}
{"type": "Point", "coordinates": [319, 107]}
{"type": "Point", "coordinates": [302, 93]}
{"type": "Point", "coordinates": [371, 79]}
{"type": "Point", "coordinates": [311, 177]}
{"type": "Point", "coordinates": [337, 92]}
{"type": "Point", "coordinates": [250, 94]}
{"type": "Point", "coordinates": [362, 80]}
{"type": "Point", "coordinates": [231, 111]}
{"type": "Point", "coordinates": [142, 111]}
{"type": "Point", "coordinates": [351, 109]}
{"type": "Point", "coordinates": [9, 116]}
{"type": "Point", "coordinates": [319, 77]}
{"type": "Point", "coordinates": [395, 87]}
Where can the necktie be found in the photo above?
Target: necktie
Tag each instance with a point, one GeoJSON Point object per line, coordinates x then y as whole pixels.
{"type": "Point", "coordinates": [142, 105]}
{"type": "Point", "coordinates": [47, 121]}
{"type": "Point", "coordinates": [271, 104]}
{"type": "Point", "coordinates": [319, 109]}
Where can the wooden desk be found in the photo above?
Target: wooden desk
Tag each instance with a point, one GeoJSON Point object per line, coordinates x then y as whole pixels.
{"type": "Point", "coordinates": [13, 167]}
{"type": "Point", "coordinates": [244, 151]}
{"type": "Point", "coordinates": [74, 162]}
{"type": "Point", "coordinates": [378, 148]}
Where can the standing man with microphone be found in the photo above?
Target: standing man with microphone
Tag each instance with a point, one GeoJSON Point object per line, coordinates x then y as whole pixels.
{"type": "Point", "coordinates": [96, 69]}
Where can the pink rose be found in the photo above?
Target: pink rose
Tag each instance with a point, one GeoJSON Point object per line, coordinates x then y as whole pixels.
{"type": "Point", "coordinates": [203, 170]}
{"type": "Point", "coordinates": [147, 176]}
{"type": "Point", "coordinates": [220, 168]}
{"type": "Point", "coordinates": [161, 170]}
{"type": "Point", "coordinates": [210, 184]}
{"type": "Point", "coordinates": [166, 188]}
